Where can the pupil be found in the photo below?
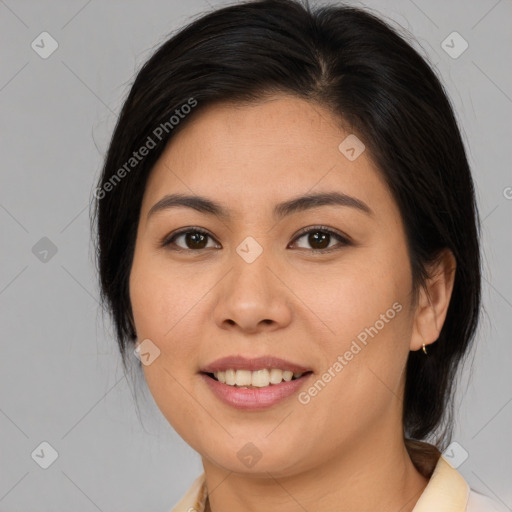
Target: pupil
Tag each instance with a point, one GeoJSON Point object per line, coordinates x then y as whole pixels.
{"type": "Point", "coordinates": [313, 238]}
{"type": "Point", "coordinates": [194, 238]}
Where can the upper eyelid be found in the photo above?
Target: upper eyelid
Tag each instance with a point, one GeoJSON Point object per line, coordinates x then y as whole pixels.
{"type": "Point", "coordinates": [306, 230]}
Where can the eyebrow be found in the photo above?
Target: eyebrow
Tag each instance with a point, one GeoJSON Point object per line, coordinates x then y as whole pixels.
{"type": "Point", "coordinates": [297, 204]}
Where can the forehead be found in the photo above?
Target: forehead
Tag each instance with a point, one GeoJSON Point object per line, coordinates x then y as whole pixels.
{"type": "Point", "coordinates": [262, 153]}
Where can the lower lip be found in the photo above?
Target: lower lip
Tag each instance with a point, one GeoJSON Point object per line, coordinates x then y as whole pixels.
{"type": "Point", "coordinates": [254, 398]}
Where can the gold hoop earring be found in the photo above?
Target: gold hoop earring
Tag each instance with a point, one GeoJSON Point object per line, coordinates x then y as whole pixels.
{"type": "Point", "coordinates": [424, 349]}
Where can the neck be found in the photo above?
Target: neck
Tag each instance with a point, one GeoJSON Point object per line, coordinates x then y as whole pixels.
{"type": "Point", "coordinates": [373, 476]}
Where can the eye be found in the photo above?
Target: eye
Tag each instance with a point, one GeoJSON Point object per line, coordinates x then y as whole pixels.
{"type": "Point", "coordinates": [319, 237]}
{"type": "Point", "coordinates": [194, 239]}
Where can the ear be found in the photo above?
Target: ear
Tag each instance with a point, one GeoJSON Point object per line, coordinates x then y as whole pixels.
{"type": "Point", "coordinates": [433, 301]}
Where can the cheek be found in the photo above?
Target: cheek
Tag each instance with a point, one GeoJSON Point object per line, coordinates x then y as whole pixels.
{"type": "Point", "coordinates": [165, 311]}
{"type": "Point", "coordinates": [160, 297]}
{"type": "Point", "coordinates": [363, 374]}
{"type": "Point", "coordinates": [366, 306]}
{"type": "Point", "coordinates": [166, 308]}
{"type": "Point", "coordinates": [175, 400]}
{"type": "Point", "coordinates": [360, 293]}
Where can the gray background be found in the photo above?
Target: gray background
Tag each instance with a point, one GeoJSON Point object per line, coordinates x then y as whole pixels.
{"type": "Point", "coordinates": [60, 375]}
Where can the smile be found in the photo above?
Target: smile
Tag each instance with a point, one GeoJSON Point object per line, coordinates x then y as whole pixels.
{"type": "Point", "coordinates": [250, 397]}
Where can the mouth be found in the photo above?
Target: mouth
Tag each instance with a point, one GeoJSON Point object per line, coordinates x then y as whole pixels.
{"type": "Point", "coordinates": [269, 387]}
{"type": "Point", "coordinates": [254, 383]}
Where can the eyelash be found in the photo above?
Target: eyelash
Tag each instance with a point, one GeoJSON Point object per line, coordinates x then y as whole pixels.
{"type": "Point", "coordinates": [344, 241]}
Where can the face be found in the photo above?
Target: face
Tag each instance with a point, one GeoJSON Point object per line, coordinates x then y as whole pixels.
{"type": "Point", "coordinates": [324, 287]}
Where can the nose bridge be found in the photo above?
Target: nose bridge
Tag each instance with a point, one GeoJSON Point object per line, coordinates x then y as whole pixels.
{"type": "Point", "coordinates": [252, 296]}
{"type": "Point", "coordinates": [251, 261]}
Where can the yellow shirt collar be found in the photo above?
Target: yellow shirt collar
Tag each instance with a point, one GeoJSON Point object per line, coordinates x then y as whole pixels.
{"type": "Point", "coordinates": [446, 490]}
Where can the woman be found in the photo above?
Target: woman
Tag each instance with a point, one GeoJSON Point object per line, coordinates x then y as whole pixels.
{"type": "Point", "coordinates": [288, 241]}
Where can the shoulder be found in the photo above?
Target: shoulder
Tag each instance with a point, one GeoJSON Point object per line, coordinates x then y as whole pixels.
{"type": "Point", "coordinates": [479, 503]}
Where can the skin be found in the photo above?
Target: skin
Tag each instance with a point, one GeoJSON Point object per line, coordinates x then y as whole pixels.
{"type": "Point", "coordinates": [344, 450]}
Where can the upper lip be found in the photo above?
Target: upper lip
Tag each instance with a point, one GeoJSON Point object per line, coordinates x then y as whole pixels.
{"type": "Point", "coordinates": [253, 364]}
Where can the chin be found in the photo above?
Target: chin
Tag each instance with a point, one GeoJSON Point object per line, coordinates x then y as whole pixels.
{"type": "Point", "coordinates": [259, 458]}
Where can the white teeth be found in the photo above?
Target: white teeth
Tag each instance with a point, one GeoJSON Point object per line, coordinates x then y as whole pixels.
{"type": "Point", "coordinates": [243, 378]}
{"type": "Point", "coordinates": [230, 377]}
{"type": "Point", "coordinates": [276, 376]}
{"type": "Point", "coordinates": [258, 378]}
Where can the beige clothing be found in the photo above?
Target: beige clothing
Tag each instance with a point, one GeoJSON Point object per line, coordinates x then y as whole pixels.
{"type": "Point", "coordinates": [447, 491]}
